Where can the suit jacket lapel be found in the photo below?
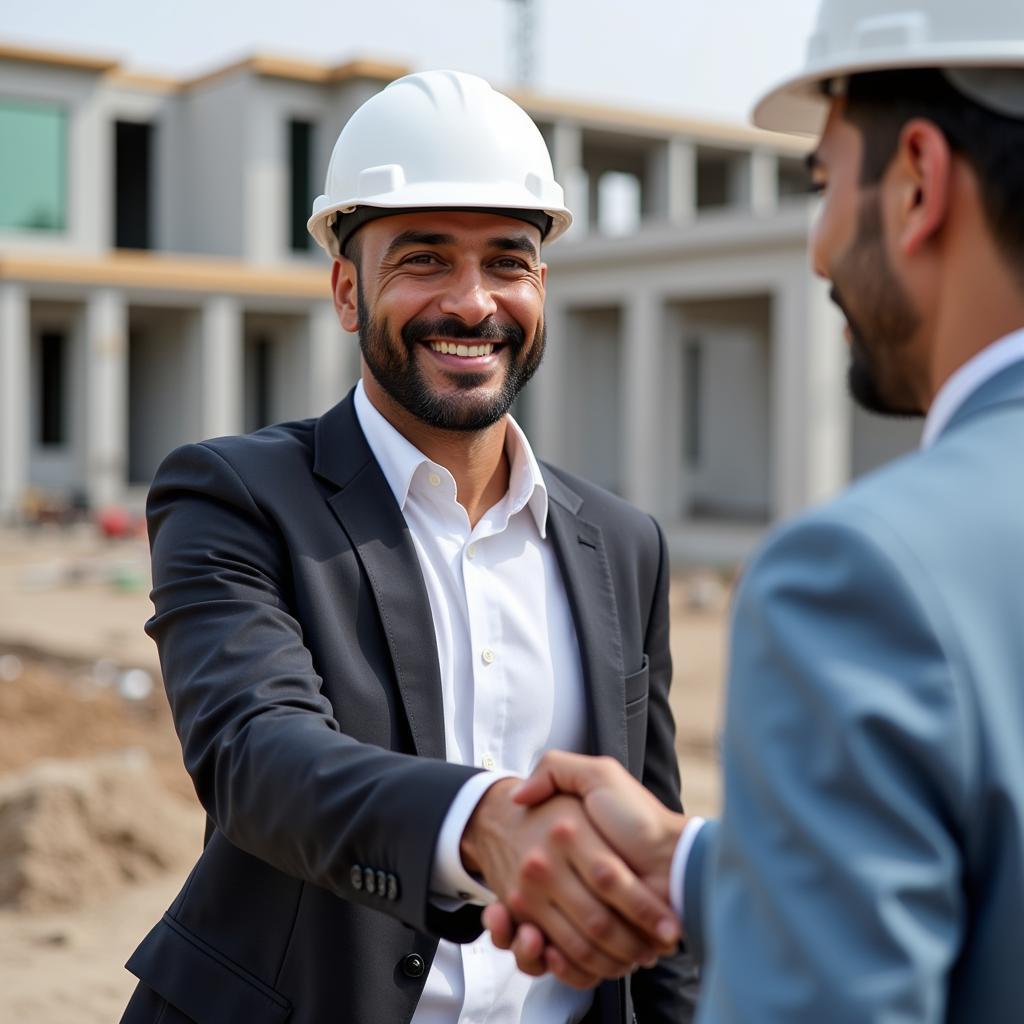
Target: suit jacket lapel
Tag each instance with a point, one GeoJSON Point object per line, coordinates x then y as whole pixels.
{"type": "Point", "coordinates": [580, 549]}
{"type": "Point", "coordinates": [368, 513]}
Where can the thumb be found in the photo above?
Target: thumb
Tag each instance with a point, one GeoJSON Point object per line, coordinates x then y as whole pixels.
{"type": "Point", "coordinates": [557, 772]}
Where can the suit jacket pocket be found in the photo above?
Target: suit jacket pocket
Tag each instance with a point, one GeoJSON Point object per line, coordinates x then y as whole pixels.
{"type": "Point", "coordinates": [206, 986]}
{"type": "Point", "coordinates": [636, 686]}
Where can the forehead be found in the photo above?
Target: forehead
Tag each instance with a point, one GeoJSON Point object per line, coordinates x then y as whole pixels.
{"type": "Point", "coordinates": [458, 227]}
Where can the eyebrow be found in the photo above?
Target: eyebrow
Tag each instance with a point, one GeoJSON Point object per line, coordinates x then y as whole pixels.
{"type": "Point", "coordinates": [417, 238]}
{"type": "Point", "coordinates": [813, 161]}
{"type": "Point", "coordinates": [514, 243]}
{"type": "Point", "coordinates": [506, 243]}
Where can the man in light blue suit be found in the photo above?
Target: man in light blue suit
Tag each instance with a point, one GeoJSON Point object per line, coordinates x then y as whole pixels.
{"type": "Point", "coordinates": [869, 862]}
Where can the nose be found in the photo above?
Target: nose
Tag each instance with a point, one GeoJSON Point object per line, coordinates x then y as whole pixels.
{"type": "Point", "coordinates": [468, 297]}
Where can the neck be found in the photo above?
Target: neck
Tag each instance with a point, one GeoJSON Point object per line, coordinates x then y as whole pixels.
{"type": "Point", "coordinates": [475, 458]}
{"type": "Point", "coordinates": [977, 297]}
{"type": "Point", "coordinates": [986, 305]}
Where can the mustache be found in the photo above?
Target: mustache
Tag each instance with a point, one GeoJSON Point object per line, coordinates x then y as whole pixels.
{"type": "Point", "coordinates": [422, 328]}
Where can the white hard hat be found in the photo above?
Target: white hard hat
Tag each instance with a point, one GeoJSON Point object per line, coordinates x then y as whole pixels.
{"type": "Point", "coordinates": [439, 140]}
{"type": "Point", "coordinates": [979, 43]}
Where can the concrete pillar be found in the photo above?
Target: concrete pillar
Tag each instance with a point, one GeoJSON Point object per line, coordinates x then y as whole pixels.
{"type": "Point", "coordinates": [220, 382]}
{"type": "Point", "coordinates": [810, 412]}
{"type": "Point", "coordinates": [330, 359]}
{"type": "Point", "coordinates": [642, 476]}
{"type": "Point", "coordinates": [14, 390]}
{"type": "Point", "coordinates": [828, 444]}
{"type": "Point", "coordinates": [567, 158]}
{"type": "Point", "coordinates": [548, 410]}
{"type": "Point", "coordinates": [106, 433]}
{"type": "Point", "coordinates": [670, 187]}
{"type": "Point", "coordinates": [755, 182]}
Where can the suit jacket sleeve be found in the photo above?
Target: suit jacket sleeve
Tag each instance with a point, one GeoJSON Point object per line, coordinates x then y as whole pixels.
{"type": "Point", "coordinates": [834, 889]}
{"type": "Point", "coordinates": [667, 993]}
{"type": "Point", "coordinates": [260, 741]}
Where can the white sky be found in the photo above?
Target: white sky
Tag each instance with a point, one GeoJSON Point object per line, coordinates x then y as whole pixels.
{"type": "Point", "coordinates": [708, 58]}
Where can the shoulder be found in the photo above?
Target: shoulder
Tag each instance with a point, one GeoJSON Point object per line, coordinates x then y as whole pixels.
{"type": "Point", "coordinates": [601, 507]}
{"type": "Point", "coordinates": [248, 456]}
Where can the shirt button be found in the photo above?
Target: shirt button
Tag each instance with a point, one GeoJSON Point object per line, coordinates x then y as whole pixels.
{"type": "Point", "coordinates": [488, 655]}
{"type": "Point", "coordinates": [434, 479]}
{"type": "Point", "coordinates": [471, 551]}
{"type": "Point", "coordinates": [488, 762]}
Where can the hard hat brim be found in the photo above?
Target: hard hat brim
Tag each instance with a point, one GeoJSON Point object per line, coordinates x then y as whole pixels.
{"type": "Point", "coordinates": [798, 105]}
{"type": "Point", "coordinates": [460, 195]}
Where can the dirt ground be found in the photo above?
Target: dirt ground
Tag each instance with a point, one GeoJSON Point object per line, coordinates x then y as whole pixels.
{"type": "Point", "coordinates": [75, 667]}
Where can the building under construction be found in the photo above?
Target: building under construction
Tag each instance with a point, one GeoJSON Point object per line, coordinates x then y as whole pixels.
{"type": "Point", "coordinates": [158, 285]}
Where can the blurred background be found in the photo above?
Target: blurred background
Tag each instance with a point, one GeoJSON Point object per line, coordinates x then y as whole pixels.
{"type": "Point", "coordinates": [157, 286]}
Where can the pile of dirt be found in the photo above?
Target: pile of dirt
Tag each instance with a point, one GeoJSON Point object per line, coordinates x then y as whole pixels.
{"type": "Point", "coordinates": [53, 710]}
{"type": "Point", "coordinates": [73, 832]}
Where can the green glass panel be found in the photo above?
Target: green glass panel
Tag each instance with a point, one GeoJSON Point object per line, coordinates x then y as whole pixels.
{"type": "Point", "coordinates": [32, 166]}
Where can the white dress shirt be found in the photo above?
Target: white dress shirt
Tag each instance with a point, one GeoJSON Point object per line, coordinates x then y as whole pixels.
{"type": "Point", "coordinates": [956, 389]}
{"type": "Point", "coordinates": [511, 686]}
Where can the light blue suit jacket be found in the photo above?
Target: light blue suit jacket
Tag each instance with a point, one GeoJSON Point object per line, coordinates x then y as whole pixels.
{"type": "Point", "coordinates": [869, 864]}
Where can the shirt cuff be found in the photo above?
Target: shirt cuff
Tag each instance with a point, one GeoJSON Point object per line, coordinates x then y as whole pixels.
{"type": "Point", "coordinates": [449, 880]}
{"type": "Point", "coordinates": [677, 872]}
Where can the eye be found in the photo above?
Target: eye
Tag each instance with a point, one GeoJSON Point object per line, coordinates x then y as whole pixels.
{"type": "Point", "coordinates": [509, 263]}
{"type": "Point", "coordinates": [815, 188]}
{"type": "Point", "coordinates": [420, 259]}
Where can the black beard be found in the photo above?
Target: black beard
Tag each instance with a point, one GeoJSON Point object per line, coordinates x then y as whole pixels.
{"type": "Point", "coordinates": [393, 363]}
{"type": "Point", "coordinates": [879, 335]}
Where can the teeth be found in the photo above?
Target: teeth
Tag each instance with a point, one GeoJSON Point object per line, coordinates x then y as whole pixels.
{"type": "Point", "coordinates": [448, 348]}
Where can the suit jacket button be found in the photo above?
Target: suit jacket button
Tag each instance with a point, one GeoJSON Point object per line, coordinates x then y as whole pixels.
{"type": "Point", "coordinates": [392, 887]}
{"type": "Point", "coordinates": [413, 966]}
{"type": "Point", "coordinates": [382, 883]}
{"type": "Point", "coordinates": [369, 880]}
{"type": "Point", "coordinates": [355, 876]}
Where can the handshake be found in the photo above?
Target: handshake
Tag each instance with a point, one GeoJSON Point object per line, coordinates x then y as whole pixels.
{"type": "Point", "coordinates": [579, 857]}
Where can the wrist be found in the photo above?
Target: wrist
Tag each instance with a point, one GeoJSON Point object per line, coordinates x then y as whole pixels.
{"type": "Point", "coordinates": [665, 849]}
{"type": "Point", "coordinates": [484, 824]}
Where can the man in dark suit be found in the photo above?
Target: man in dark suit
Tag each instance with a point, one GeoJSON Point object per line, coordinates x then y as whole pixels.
{"type": "Point", "coordinates": [369, 621]}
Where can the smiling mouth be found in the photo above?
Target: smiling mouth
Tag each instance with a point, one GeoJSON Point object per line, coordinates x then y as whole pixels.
{"type": "Point", "coordinates": [463, 350]}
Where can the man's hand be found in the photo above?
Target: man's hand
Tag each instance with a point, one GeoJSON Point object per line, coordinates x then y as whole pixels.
{"type": "Point", "coordinates": [630, 819]}
{"type": "Point", "coordinates": [551, 867]}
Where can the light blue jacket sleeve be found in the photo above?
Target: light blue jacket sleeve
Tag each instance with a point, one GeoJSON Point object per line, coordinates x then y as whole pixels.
{"type": "Point", "coordinates": [831, 889]}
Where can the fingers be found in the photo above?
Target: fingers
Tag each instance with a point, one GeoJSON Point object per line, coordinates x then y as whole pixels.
{"type": "Point", "coordinates": [526, 941]}
{"type": "Point", "coordinates": [613, 885]}
{"type": "Point", "coordinates": [498, 921]}
{"type": "Point", "coordinates": [586, 962]}
{"type": "Point", "coordinates": [616, 946]}
{"type": "Point", "coordinates": [528, 947]}
{"type": "Point", "coordinates": [558, 771]}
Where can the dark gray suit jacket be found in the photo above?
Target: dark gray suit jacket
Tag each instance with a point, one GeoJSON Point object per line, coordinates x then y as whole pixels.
{"type": "Point", "coordinates": [298, 653]}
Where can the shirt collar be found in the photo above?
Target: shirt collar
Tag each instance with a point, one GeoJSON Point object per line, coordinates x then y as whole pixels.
{"type": "Point", "coordinates": [399, 460]}
{"type": "Point", "coordinates": [964, 381]}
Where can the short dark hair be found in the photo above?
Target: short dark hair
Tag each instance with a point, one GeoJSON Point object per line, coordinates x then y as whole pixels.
{"type": "Point", "coordinates": [353, 247]}
{"type": "Point", "coordinates": [880, 103]}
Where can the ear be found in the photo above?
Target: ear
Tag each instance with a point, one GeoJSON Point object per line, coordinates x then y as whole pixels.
{"type": "Point", "coordinates": [346, 294]}
{"type": "Point", "coordinates": [920, 176]}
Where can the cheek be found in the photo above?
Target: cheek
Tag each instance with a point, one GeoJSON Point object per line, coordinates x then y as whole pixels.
{"type": "Point", "coordinates": [831, 233]}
